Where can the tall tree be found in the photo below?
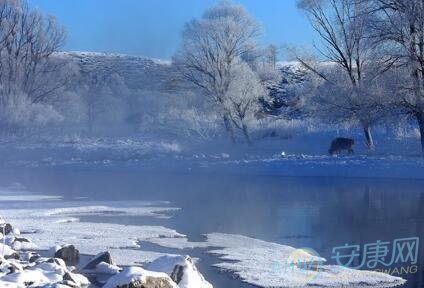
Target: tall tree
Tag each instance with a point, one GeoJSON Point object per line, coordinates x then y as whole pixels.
{"type": "Point", "coordinates": [28, 72]}
{"type": "Point", "coordinates": [399, 25]}
{"type": "Point", "coordinates": [342, 27]}
{"type": "Point", "coordinates": [243, 96]}
{"type": "Point", "coordinates": [271, 53]}
{"type": "Point", "coordinates": [210, 48]}
{"type": "Point", "coordinates": [28, 39]}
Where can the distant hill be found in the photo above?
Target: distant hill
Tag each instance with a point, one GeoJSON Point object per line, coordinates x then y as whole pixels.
{"type": "Point", "coordinates": [138, 72]}
{"type": "Point", "coordinates": [158, 75]}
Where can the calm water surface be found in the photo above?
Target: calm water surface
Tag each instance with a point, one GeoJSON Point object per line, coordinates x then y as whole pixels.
{"type": "Point", "coordinates": [318, 213]}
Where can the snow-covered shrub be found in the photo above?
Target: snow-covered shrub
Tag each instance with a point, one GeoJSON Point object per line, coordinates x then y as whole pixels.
{"type": "Point", "coordinates": [18, 114]}
{"type": "Point", "coordinates": [405, 132]}
{"type": "Point", "coordinates": [188, 123]}
{"type": "Point", "coordinates": [194, 123]}
{"type": "Point", "coordinates": [280, 127]}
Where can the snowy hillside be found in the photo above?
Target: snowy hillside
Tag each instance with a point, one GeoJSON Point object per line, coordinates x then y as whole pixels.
{"type": "Point", "coordinates": [149, 73]}
{"type": "Point", "coordinates": [138, 72]}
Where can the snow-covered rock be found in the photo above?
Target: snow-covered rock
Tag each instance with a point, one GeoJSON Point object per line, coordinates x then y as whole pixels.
{"type": "Point", "coordinates": [182, 271]}
{"type": "Point", "coordinates": [54, 265]}
{"type": "Point", "coordinates": [20, 243]}
{"type": "Point", "coordinates": [104, 257]}
{"type": "Point", "coordinates": [78, 279]}
{"type": "Point", "coordinates": [105, 268]}
{"type": "Point", "coordinates": [68, 253]}
{"type": "Point", "coordinates": [9, 266]}
{"type": "Point", "coordinates": [30, 256]}
{"type": "Point", "coordinates": [51, 272]}
{"type": "Point", "coordinates": [5, 284]}
{"type": "Point", "coordinates": [138, 277]}
{"type": "Point", "coordinates": [8, 252]}
{"type": "Point", "coordinates": [6, 228]}
{"type": "Point", "coordinates": [36, 277]}
{"type": "Point", "coordinates": [101, 263]}
{"type": "Point", "coordinates": [22, 267]}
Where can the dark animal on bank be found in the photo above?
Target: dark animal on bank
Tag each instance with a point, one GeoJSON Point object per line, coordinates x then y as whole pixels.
{"type": "Point", "coordinates": [341, 144]}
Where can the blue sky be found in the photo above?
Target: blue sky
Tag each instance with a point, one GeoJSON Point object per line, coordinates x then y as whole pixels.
{"type": "Point", "coordinates": [152, 27]}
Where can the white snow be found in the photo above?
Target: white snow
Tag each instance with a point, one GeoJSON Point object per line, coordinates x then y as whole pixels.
{"type": "Point", "coordinates": [57, 223]}
{"type": "Point", "coordinates": [191, 277]}
{"type": "Point", "coordinates": [6, 250]}
{"type": "Point", "coordinates": [44, 274]}
{"type": "Point", "coordinates": [8, 195]}
{"type": "Point", "coordinates": [105, 268]}
{"type": "Point", "coordinates": [22, 245]}
{"type": "Point", "coordinates": [268, 264]}
{"type": "Point", "coordinates": [146, 211]}
{"type": "Point", "coordinates": [5, 284]}
{"type": "Point", "coordinates": [132, 274]}
{"type": "Point", "coordinates": [36, 276]}
{"type": "Point", "coordinates": [90, 238]}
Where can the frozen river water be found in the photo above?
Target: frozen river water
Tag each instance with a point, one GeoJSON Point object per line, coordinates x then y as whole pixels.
{"type": "Point", "coordinates": [322, 214]}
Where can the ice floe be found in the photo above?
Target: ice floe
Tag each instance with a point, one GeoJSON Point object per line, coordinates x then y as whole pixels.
{"type": "Point", "coordinates": [267, 264]}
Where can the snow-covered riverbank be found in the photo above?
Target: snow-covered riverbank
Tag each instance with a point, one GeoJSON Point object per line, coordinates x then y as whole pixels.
{"type": "Point", "coordinates": [297, 155]}
{"type": "Point", "coordinates": [21, 266]}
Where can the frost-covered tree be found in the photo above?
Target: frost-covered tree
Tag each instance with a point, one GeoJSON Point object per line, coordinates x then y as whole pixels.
{"type": "Point", "coordinates": [345, 43]}
{"type": "Point", "coordinates": [210, 48]}
{"type": "Point", "coordinates": [242, 97]}
{"type": "Point", "coordinates": [28, 73]}
{"type": "Point", "coordinates": [103, 95]}
{"type": "Point", "coordinates": [333, 100]}
{"type": "Point", "coordinates": [271, 54]}
{"type": "Point", "coordinates": [399, 27]}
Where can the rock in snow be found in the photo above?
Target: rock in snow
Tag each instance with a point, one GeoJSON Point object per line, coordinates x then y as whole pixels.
{"type": "Point", "coordinates": [21, 268]}
{"type": "Point", "coordinates": [6, 228]}
{"type": "Point", "coordinates": [105, 268]}
{"type": "Point", "coordinates": [182, 271]}
{"type": "Point", "coordinates": [99, 258]}
{"type": "Point", "coordinates": [8, 252]}
{"type": "Point", "coordinates": [68, 253]}
{"type": "Point", "coordinates": [138, 277]}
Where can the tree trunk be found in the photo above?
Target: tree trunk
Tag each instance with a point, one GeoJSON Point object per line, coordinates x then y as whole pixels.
{"type": "Point", "coordinates": [368, 136]}
{"type": "Point", "coordinates": [229, 128]}
{"type": "Point", "coordinates": [420, 120]}
{"type": "Point", "coordinates": [90, 126]}
{"type": "Point", "coordinates": [246, 135]}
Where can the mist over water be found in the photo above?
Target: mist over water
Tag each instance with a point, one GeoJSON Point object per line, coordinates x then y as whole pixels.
{"type": "Point", "coordinates": [318, 213]}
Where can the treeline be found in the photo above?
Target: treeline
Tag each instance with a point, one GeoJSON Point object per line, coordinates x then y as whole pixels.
{"type": "Point", "coordinates": [375, 55]}
{"type": "Point", "coordinates": [367, 69]}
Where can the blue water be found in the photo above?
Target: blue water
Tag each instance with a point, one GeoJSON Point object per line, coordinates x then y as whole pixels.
{"type": "Point", "coordinates": [318, 213]}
